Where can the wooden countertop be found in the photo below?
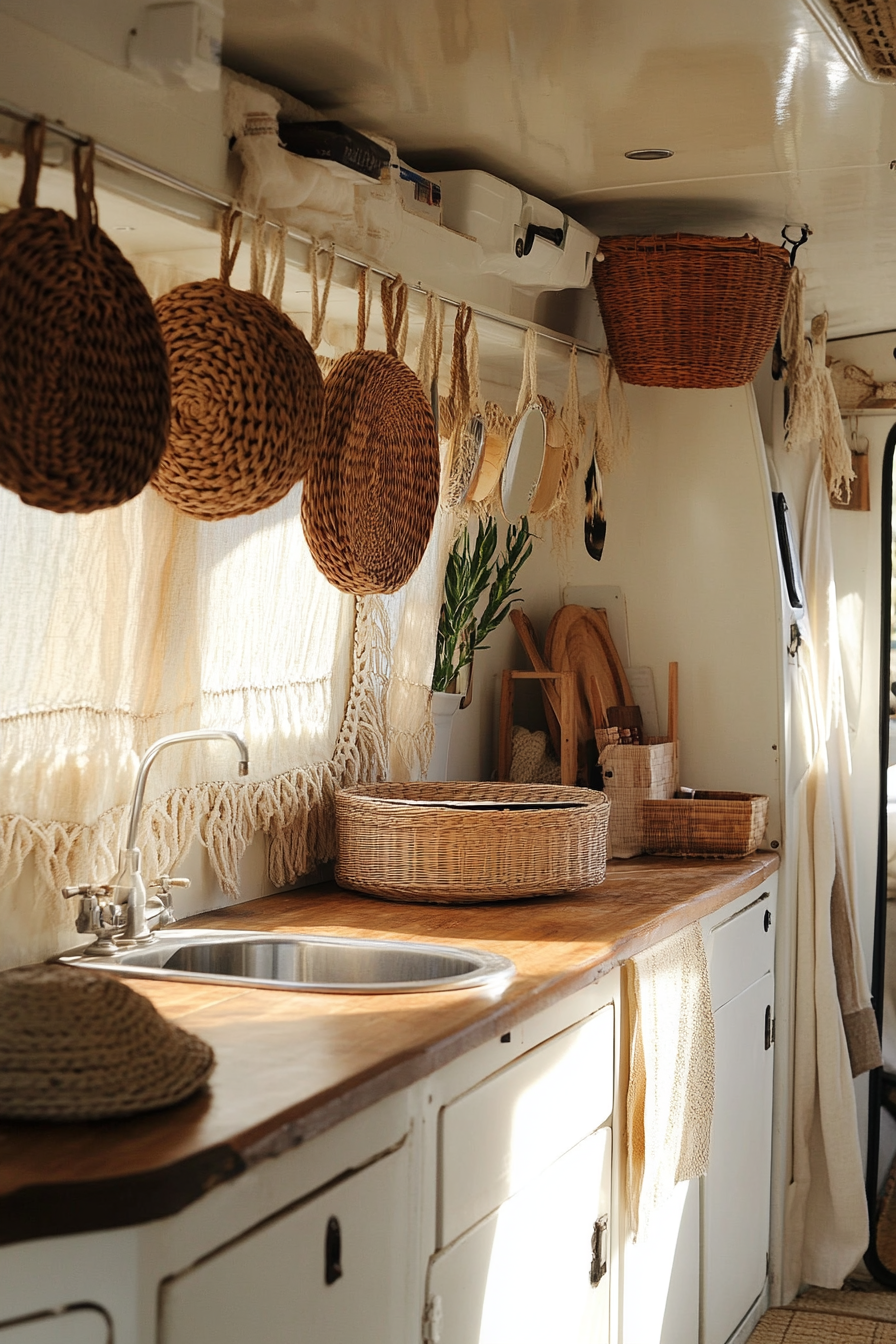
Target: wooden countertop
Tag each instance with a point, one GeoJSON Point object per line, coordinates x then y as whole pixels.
{"type": "Point", "coordinates": [291, 1065]}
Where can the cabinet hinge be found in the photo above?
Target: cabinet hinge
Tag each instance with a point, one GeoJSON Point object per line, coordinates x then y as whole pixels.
{"type": "Point", "coordinates": [432, 1321]}
{"type": "Point", "coordinates": [769, 1028]}
{"type": "Point", "coordinates": [599, 1250]}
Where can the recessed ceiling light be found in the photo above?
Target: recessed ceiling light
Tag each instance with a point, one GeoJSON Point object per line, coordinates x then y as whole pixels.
{"type": "Point", "coordinates": [125, 228]}
{"type": "Point", "coordinates": [642, 154]}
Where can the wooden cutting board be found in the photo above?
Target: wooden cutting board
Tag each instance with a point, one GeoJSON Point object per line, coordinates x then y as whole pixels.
{"type": "Point", "coordinates": [578, 640]}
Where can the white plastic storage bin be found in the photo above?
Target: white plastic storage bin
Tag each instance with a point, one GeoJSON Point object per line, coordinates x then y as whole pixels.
{"type": "Point", "coordinates": [522, 238]}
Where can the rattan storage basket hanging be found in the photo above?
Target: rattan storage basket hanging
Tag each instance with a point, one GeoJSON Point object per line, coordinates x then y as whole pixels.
{"type": "Point", "coordinates": [84, 397]}
{"type": "Point", "coordinates": [370, 496]}
{"type": "Point", "coordinates": [246, 395]}
{"type": "Point", "coordinates": [460, 843]}
{"type": "Point", "coordinates": [82, 1045]}
{"type": "Point", "coordinates": [688, 311]}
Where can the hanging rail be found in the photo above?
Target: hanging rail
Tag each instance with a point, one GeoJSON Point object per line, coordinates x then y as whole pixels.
{"type": "Point", "coordinates": [115, 159]}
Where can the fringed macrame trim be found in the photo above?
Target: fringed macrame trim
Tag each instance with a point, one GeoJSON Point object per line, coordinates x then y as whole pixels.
{"type": "Point", "coordinates": [814, 415]}
{"type": "Point", "coordinates": [295, 809]}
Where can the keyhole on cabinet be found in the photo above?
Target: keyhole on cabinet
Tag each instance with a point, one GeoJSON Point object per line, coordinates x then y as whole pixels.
{"type": "Point", "coordinates": [333, 1252]}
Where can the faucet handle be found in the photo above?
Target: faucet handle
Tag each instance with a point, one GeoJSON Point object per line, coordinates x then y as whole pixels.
{"type": "Point", "coordinates": [164, 883]}
{"type": "Point", "coordinates": [87, 889]}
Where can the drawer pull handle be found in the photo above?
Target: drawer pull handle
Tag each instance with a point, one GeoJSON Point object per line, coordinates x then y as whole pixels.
{"type": "Point", "coordinates": [767, 920]}
{"type": "Point", "coordinates": [599, 1250]}
{"type": "Point", "coordinates": [333, 1252]}
{"type": "Point", "coordinates": [769, 1028]}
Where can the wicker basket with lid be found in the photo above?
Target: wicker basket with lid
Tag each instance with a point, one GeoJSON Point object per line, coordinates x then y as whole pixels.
{"type": "Point", "coordinates": [461, 843]}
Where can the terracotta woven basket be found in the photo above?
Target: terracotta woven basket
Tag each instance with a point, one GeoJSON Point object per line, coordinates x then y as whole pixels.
{"type": "Point", "coordinates": [370, 497]}
{"type": "Point", "coordinates": [247, 398]}
{"type": "Point", "coordinates": [82, 1045]}
{"type": "Point", "coordinates": [714, 825]}
{"type": "Point", "coordinates": [414, 842]}
{"type": "Point", "coordinates": [689, 311]}
{"type": "Point", "coordinates": [84, 403]}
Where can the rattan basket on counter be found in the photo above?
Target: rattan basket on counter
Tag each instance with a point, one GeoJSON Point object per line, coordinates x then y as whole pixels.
{"type": "Point", "coordinates": [458, 843]}
{"type": "Point", "coordinates": [683, 310]}
{"type": "Point", "coordinates": [714, 825]}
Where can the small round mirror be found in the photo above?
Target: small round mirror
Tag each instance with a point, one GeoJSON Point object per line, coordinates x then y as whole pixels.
{"type": "Point", "coordinates": [525, 458]}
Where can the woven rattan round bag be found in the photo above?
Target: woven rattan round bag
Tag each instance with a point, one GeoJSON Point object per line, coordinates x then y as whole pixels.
{"type": "Point", "coordinates": [370, 497]}
{"type": "Point", "coordinates": [246, 395]}
{"type": "Point", "coordinates": [84, 397]}
{"type": "Point", "coordinates": [83, 1045]}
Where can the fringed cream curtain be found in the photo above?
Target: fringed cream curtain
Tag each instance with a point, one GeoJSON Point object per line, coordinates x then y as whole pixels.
{"type": "Point", "coordinates": [124, 625]}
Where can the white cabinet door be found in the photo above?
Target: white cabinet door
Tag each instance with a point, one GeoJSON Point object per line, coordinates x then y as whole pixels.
{"type": "Point", "coordinates": [330, 1271]}
{"type": "Point", "coordinates": [736, 1188]}
{"type": "Point", "coordinates": [530, 1273]}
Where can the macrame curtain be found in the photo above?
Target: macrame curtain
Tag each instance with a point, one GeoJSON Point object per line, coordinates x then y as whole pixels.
{"type": "Point", "coordinates": [127, 624]}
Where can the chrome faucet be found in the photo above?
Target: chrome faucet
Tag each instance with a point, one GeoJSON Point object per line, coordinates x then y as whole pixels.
{"type": "Point", "coordinates": [120, 909]}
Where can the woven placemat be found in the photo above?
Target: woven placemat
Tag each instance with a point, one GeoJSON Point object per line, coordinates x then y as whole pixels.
{"type": "Point", "coordinates": [85, 398]}
{"type": "Point", "coordinates": [82, 1045]}
{"type": "Point", "coordinates": [785, 1325]}
{"type": "Point", "coordinates": [246, 397]}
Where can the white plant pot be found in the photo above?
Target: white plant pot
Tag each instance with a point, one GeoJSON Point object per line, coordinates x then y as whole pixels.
{"type": "Point", "coordinates": [445, 705]}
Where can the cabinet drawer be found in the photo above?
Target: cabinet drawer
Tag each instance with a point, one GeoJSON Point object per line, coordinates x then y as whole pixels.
{"type": "Point", "coordinates": [508, 1129]}
{"type": "Point", "coordinates": [530, 1272]}
{"type": "Point", "coordinates": [741, 948]}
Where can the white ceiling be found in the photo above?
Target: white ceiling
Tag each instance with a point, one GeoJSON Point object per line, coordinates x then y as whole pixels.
{"type": "Point", "coordinates": [768, 124]}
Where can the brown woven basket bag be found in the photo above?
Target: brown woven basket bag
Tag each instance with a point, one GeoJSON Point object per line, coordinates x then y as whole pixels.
{"type": "Point", "coordinates": [370, 497]}
{"type": "Point", "coordinates": [687, 311]}
{"type": "Point", "coordinates": [84, 397]}
{"type": "Point", "coordinates": [246, 396]}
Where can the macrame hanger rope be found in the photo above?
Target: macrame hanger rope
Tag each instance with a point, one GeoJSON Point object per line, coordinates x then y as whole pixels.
{"type": "Point", "coordinates": [529, 384]}
{"type": "Point", "coordinates": [231, 237]}
{"type": "Point", "coordinates": [258, 263]}
{"type": "Point", "coordinates": [85, 201]}
{"type": "Point", "coordinates": [365, 300]}
{"type": "Point", "coordinates": [394, 299]}
{"type": "Point", "coordinates": [430, 354]}
{"type": "Point", "coordinates": [319, 301]}
{"type": "Point", "coordinates": [278, 265]}
{"type": "Point", "coordinates": [459, 393]}
{"type": "Point", "coordinates": [33, 149]}
{"type": "Point", "coordinates": [476, 406]}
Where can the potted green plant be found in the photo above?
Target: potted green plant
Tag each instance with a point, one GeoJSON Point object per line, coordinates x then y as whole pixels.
{"type": "Point", "coordinates": [473, 572]}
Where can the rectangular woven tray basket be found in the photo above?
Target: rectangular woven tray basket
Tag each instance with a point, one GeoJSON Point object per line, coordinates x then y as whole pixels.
{"type": "Point", "coordinates": [405, 842]}
{"type": "Point", "coordinates": [714, 825]}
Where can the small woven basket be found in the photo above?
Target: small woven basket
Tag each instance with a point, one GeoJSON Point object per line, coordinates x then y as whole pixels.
{"type": "Point", "coordinates": [84, 400]}
{"type": "Point", "coordinates": [688, 311]}
{"type": "Point", "coordinates": [714, 825]}
{"type": "Point", "coordinates": [247, 397]}
{"type": "Point", "coordinates": [412, 842]}
{"type": "Point", "coordinates": [370, 497]}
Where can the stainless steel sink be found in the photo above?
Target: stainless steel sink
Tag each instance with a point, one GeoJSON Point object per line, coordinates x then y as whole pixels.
{"type": "Point", "coordinates": [308, 962]}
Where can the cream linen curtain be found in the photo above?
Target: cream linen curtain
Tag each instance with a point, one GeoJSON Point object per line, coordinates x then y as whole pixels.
{"type": "Point", "coordinates": [127, 624]}
{"type": "Point", "coordinates": [826, 1222]}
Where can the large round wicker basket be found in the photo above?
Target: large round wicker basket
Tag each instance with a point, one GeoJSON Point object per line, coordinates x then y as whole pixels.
{"type": "Point", "coordinates": [84, 395]}
{"type": "Point", "coordinates": [689, 311]}
{"type": "Point", "coordinates": [461, 843]}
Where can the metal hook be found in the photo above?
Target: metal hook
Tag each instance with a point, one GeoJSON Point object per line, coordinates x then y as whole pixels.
{"type": "Point", "coordinates": [795, 243]}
